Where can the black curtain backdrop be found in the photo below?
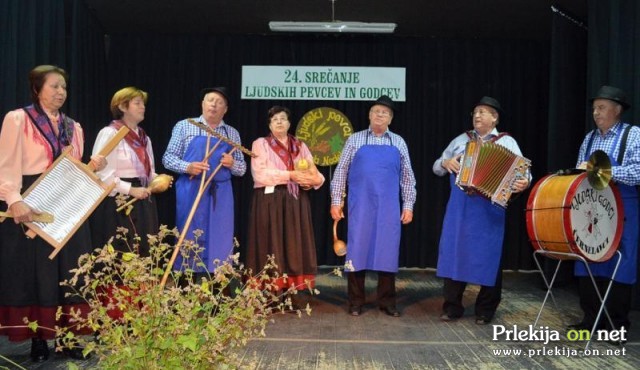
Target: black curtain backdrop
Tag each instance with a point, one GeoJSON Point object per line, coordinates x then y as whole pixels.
{"type": "Point", "coordinates": [567, 103]}
{"type": "Point", "coordinates": [61, 33]}
{"type": "Point", "coordinates": [445, 78]}
{"type": "Point", "coordinates": [86, 54]}
{"type": "Point", "coordinates": [29, 35]}
{"type": "Point", "coordinates": [567, 106]}
{"type": "Point", "coordinates": [614, 50]}
{"type": "Point", "coordinates": [614, 55]}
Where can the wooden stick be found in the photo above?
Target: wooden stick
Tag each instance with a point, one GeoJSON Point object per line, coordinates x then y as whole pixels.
{"type": "Point", "coordinates": [207, 156]}
{"type": "Point", "coordinates": [111, 144]}
{"type": "Point", "coordinates": [215, 171]}
{"type": "Point", "coordinates": [185, 228]}
{"type": "Point", "coordinates": [37, 217]}
{"type": "Point", "coordinates": [157, 185]}
{"type": "Point", "coordinates": [221, 137]}
{"type": "Point", "coordinates": [130, 202]}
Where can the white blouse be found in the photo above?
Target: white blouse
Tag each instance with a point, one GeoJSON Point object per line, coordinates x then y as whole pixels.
{"type": "Point", "coordinates": [122, 162]}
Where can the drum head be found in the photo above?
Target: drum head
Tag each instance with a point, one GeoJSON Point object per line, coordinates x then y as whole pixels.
{"type": "Point", "coordinates": [595, 220]}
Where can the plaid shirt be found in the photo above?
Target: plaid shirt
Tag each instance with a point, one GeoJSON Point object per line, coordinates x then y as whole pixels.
{"type": "Point", "coordinates": [628, 172]}
{"type": "Point", "coordinates": [360, 138]}
{"type": "Point", "coordinates": [184, 132]}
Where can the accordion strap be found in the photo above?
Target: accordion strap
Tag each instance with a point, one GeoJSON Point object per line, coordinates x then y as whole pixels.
{"type": "Point", "coordinates": [472, 134]}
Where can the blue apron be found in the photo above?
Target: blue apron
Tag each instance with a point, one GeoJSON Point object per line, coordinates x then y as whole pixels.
{"type": "Point", "coordinates": [374, 208]}
{"type": "Point", "coordinates": [629, 241]}
{"type": "Point", "coordinates": [214, 215]}
{"type": "Point", "coordinates": [471, 239]}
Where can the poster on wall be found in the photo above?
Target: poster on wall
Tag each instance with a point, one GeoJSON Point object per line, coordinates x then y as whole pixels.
{"type": "Point", "coordinates": [322, 83]}
{"type": "Point", "coordinates": [325, 131]}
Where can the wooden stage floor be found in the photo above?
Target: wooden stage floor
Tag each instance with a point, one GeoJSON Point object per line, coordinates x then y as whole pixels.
{"type": "Point", "coordinates": [332, 339]}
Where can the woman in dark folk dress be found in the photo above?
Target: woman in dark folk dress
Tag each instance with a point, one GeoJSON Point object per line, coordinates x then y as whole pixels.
{"type": "Point", "coordinates": [280, 219]}
{"type": "Point", "coordinates": [31, 139]}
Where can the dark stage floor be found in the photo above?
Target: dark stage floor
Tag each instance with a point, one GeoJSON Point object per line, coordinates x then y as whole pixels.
{"type": "Point", "coordinates": [332, 339]}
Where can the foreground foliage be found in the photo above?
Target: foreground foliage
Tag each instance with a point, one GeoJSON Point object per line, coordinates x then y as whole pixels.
{"type": "Point", "coordinates": [191, 323]}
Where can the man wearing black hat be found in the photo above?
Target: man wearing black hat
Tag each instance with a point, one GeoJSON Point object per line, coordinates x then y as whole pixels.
{"type": "Point", "coordinates": [375, 163]}
{"type": "Point", "coordinates": [186, 155]}
{"type": "Point", "coordinates": [621, 142]}
{"type": "Point", "coordinates": [473, 228]}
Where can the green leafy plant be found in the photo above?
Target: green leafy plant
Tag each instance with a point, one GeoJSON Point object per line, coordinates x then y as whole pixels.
{"type": "Point", "coordinates": [191, 323]}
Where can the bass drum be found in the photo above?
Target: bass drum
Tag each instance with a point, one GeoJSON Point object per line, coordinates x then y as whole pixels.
{"type": "Point", "coordinates": [566, 214]}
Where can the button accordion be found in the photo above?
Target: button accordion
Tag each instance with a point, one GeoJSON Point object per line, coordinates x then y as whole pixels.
{"type": "Point", "coordinates": [490, 170]}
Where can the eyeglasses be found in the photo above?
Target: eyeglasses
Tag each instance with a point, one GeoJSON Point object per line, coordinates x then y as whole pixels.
{"type": "Point", "coordinates": [480, 112]}
{"type": "Point", "coordinates": [384, 113]}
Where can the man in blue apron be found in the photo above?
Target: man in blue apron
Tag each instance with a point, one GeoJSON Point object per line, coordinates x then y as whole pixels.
{"type": "Point", "coordinates": [185, 155]}
{"type": "Point", "coordinates": [473, 228]}
{"type": "Point", "coordinates": [621, 142]}
{"type": "Point", "coordinates": [375, 166]}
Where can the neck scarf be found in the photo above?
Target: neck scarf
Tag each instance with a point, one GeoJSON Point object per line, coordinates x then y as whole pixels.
{"type": "Point", "coordinates": [41, 121]}
{"type": "Point", "coordinates": [286, 154]}
{"type": "Point", "coordinates": [137, 142]}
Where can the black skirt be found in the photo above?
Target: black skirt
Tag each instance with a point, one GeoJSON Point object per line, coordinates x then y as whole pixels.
{"type": "Point", "coordinates": [281, 225]}
{"type": "Point", "coordinates": [142, 220]}
{"type": "Point", "coordinates": [29, 280]}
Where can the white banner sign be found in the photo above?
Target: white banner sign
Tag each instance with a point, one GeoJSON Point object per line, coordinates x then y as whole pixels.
{"type": "Point", "coordinates": [322, 83]}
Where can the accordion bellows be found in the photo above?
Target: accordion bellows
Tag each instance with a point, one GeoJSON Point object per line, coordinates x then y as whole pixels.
{"type": "Point", "coordinates": [490, 170]}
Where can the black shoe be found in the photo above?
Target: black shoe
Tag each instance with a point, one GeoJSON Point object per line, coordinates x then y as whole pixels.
{"type": "Point", "coordinates": [39, 350]}
{"type": "Point", "coordinates": [391, 311]}
{"type": "Point", "coordinates": [355, 310]}
{"type": "Point", "coordinates": [482, 320]}
{"type": "Point", "coordinates": [72, 350]}
{"type": "Point", "coordinates": [447, 317]}
{"type": "Point", "coordinates": [75, 353]}
{"type": "Point", "coordinates": [298, 302]}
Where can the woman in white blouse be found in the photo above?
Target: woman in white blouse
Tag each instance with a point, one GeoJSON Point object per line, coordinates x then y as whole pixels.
{"type": "Point", "coordinates": [131, 167]}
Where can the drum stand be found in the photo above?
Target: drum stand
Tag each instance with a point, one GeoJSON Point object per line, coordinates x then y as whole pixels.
{"type": "Point", "coordinates": [549, 285]}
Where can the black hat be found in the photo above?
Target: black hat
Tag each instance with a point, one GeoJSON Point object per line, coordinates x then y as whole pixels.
{"type": "Point", "coordinates": [220, 90]}
{"type": "Point", "coordinates": [386, 101]}
{"type": "Point", "coordinates": [493, 103]}
{"type": "Point", "coordinates": [612, 93]}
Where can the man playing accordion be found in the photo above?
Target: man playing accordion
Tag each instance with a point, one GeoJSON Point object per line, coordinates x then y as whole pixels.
{"type": "Point", "coordinates": [473, 228]}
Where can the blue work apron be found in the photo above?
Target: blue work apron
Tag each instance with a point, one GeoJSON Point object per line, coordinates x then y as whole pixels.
{"type": "Point", "coordinates": [215, 214]}
{"type": "Point", "coordinates": [471, 239]}
{"type": "Point", "coordinates": [374, 208]}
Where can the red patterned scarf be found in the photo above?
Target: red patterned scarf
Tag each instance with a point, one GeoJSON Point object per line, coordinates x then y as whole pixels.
{"type": "Point", "coordinates": [137, 142]}
{"type": "Point", "coordinates": [286, 154]}
{"type": "Point", "coordinates": [43, 124]}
